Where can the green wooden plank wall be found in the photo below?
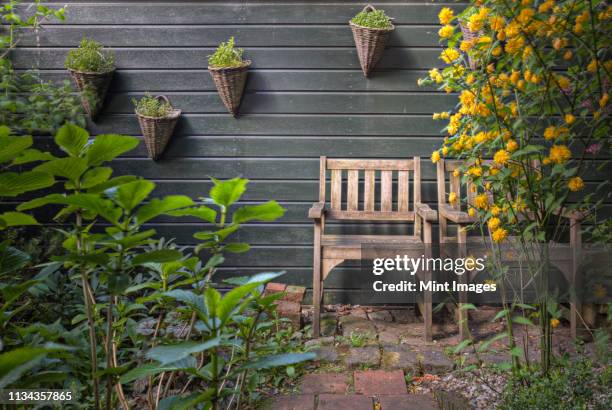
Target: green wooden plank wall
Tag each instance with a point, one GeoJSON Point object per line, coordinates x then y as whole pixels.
{"type": "Point", "coordinates": [306, 97]}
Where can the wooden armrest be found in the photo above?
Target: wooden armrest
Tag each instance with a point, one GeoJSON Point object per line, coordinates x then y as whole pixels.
{"type": "Point", "coordinates": [454, 215]}
{"type": "Point", "coordinates": [425, 212]}
{"type": "Point", "coordinates": [570, 214]}
{"type": "Point", "coordinates": [317, 211]}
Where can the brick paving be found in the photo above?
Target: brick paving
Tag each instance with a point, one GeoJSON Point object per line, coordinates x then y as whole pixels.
{"type": "Point", "coordinates": [376, 382]}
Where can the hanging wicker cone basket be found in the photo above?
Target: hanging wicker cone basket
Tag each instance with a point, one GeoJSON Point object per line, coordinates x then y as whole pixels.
{"type": "Point", "coordinates": [230, 82]}
{"type": "Point", "coordinates": [93, 88]}
{"type": "Point", "coordinates": [158, 130]}
{"type": "Point", "coordinates": [469, 35]}
{"type": "Point", "coordinates": [370, 43]}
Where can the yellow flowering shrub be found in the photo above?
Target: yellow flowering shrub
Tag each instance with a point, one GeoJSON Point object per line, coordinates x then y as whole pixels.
{"type": "Point", "coordinates": [533, 114]}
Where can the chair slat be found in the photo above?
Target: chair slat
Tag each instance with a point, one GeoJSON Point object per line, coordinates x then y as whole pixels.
{"type": "Point", "coordinates": [352, 197]}
{"type": "Point", "coordinates": [373, 164]}
{"type": "Point", "coordinates": [386, 191]}
{"type": "Point", "coordinates": [336, 189]}
{"type": "Point", "coordinates": [471, 194]}
{"type": "Point", "coordinates": [455, 187]}
{"type": "Point", "coordinates": [403, 188]}
{"type": "Point", "coordinates": [368, 192]}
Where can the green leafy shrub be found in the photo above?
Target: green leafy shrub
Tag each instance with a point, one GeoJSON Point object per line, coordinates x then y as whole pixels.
{"type": "Point", "coordinates": [226, 55]}
{"type": "Point", "coordinates": [90, 57]}
{"type": "Point", "coordinates": [372, 19]}
{"type": "Point", "coordinates": [150, 106]}
{"type": "Point", "coordinates": [568, 386]}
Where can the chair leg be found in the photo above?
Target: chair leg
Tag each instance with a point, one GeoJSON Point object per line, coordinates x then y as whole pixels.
{"type": "Point", "coordinates": [427, 295]}
{"type": "Point", "coordinates": [317, 282]}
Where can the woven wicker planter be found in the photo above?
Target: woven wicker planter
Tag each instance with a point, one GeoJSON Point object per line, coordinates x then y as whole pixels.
{"type": "Point", "coordinates": [469, 35]}
{"type": "Point", "coordinates": [230, 84]}
{"type": "Point", "coordinates": [370, 43]}
{"type": "Point", "coordinates": [157, 131]}
{"type": "Point", "coordinates": [93, 88]}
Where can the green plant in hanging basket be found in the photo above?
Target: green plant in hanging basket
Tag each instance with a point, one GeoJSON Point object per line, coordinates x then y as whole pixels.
{"type": "Point", "coordinates": [90, 57]}
{"type": "Point", "coordinates": [154, 107]}
{"type": "Point", "coordinates": [226, 56]}
{"type": "Point", "coordinates": [91, 67]}
{"type": "Point", "coordinates": [372, 19]}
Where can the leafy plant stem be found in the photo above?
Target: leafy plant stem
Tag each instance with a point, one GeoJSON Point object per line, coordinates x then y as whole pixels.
{"type": "Point", "coordinates": [247, 352]}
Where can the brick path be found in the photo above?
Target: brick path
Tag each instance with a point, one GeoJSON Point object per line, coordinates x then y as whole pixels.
{"type": "Point", "coordinates": [360, 390]}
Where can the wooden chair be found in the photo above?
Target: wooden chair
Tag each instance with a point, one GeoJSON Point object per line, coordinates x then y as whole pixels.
{"type": "Point", "coordinates": [332, 250]}
{"type": "Point", "coordinates": [454, 215]}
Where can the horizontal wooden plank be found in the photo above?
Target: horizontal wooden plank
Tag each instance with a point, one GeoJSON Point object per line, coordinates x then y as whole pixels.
{"type": "Point", "coordinates": [262, 146]}
{"type": "Point", "coordinates": [196, 58]}
{"type": "Point", "coordinates": [255, 168]}
{"type": "Point", "coordinates": [287, 125]}
{"type": "Point", "coordinates": [269, 12]}
{"type": "Point", "coordinates": [210, 36]}
{"type": "Point", "coordinates": [371, 164]}
{"type": "Point", "coordinates": [300, 103]}
{"type": "Point", "coordinates": [260, 80]}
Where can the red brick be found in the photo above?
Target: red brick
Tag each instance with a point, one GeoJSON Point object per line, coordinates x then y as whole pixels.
{"type": "Point", "coordinates": [299, 402]}
{"type": "Point", "coordinates": [375, 382]}
{"type": "Point", "coordinates": [291, 311]}
{"type": "Point", "coordinates": [408, 402]}
{"type": "Point", "coordinates": [317, 383]}
{"type": "Point", "coordinates": [344, 402]}
{"type": "Point", "coordinates": [272, 288]}
{"type": "Point", "coordinates": [294, 293]}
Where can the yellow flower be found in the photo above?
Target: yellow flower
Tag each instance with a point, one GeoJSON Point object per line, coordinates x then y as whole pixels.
{"type": "Point", "coordinates": [446, 31]}
{"type": "Point", "coordinates": [470, 79]}
{"type": "Point", "coordinates": [481, 201]}
{"type": "Point", "coordinates": [475, 22]}
{"type": "Point", "coordinates": [550, 133]}
{"type": "Point", "coordinates": [497, 51]}
{"type": "Point", "coordinates": [472, 212]}
{"type": "Point", "coordinates": [444, 150]}
{"type": "Point", "coordinates": [497, 23]}
{"type": "Point", "coordinates": [495, 210]}
{"type": "Point", "coordinates": [525, 15]}
{"type": "Point", "coordinates": [514, 45]}
{"type": "Point", "coordinates": [475, 171]}
{"type": "Point", "coordinates": [499, 234]}
{"type": "Point", "coordinates": [603, 100]}
{"type": "Point", "coordinates": [559, 154]}
{"type": "Point", "coordinates": [568, 55]}
{"type": "Point", "coordinates": [512, 145]}
{"type": "Point", "coordinates": [547, 5]}
{"type": "Point", "coordinates": [452, 198]}
{"type": "Point", "coordinates": [449, 55]}
{"type": "Point", "coordinates": [592, 67]}
{"type": "Point", "coordinates": [465, 45]}
{"type": "Point", "coordinates": [435, 157]}
{"type": "Point", "coordinates": [563, 81]}
{"type": "Point", "coordinates": [493, 223]}
{"type": "Point", "coordinates": [445, 16]}
{"type": "Point", "coordinates": [501, 157]}
{"type": "Point", "coordinates": [554, 323]}
{"type": "Point", "coordinates": [575, 184]}
{"type": "Point", "coordinates": [570, 119]}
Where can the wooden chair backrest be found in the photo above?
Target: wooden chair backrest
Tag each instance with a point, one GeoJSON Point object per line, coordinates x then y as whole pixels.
{"type": "Point", "coordinates": [445, 170]}
{"type": "Point", "coordinates": [390, 178]}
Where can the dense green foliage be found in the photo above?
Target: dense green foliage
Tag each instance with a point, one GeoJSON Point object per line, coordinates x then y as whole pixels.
{"type": "Point", "coordinates": [90, 57]}
{"type": "Point", "coordinates": [226, 55]}
{"type": "Point", "coordinates": [568, 386]}
{"type": "Point", "coordinates": [150, 106]}
{"type": "Point", "coordinates": [27, 103]}
{"type": "Point", "coordinates": [372, 19]}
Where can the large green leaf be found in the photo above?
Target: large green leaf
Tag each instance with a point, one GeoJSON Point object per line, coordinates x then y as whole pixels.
{"type": "Point", "coordinates": [189, 298]}
{"type": "Point", "coordinates": [212, 298]}
{"type": "Point", "coordinates": [151, 369]}
{"type": "Point", "coordinates": [32, 155]}
{"type": "Point", "coordinates": [171, 353]}
{"type": "Point", "coordinates": [72, 139]}
{"type": "Point", "coordinates": [13, 147]}
{"type": "Point", "coordinates": [201, 212]}
{"type": "Point", "coordinates": [157, 256]}
{"type": "Point", "coordinates": [279, 360]}
{"type": "Point", "coordinates": [269, 211]}
{"type": "Point", "coordinates": [13, 184]}
{"type": "Point", "coordinates": [16, 219]}
{"type": "Point", "coordinates": [11, 293]}
{"type": "Point", "coordinates": [42, 201]}
{"type": "Point", "coordinates": [95, 177]}
{"type": "Point", "coordinates": [114, 182]}
{"type": "Point", "coordinates": [157, 207]}
{"type": "Point", "coordinates": [14, 363]}
{"type": "Point", "coordinates": [232, 300]}
{"type": "Point", "coordinates": [11, 259]}
{"type": "Point", "coordinates": [130, 195]}
{"type": "Point", "coordinates": [69, 168]}
{"type": "Point", "coordinates": [107, 147]}
{"type": "Point", "coordinates": [227, 192]}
